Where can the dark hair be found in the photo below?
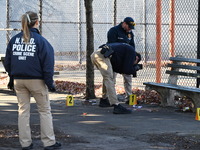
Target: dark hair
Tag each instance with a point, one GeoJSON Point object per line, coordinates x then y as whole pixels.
{"type": "Point", "coordinates": [28, 21]}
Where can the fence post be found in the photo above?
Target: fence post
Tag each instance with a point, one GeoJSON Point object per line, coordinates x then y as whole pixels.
{"type": "Point", "coordinates": [7, 20]}
{"type": "Point", "coordinates": [145, 34]}
{"type": "Point", "coordinates": [40, 16]}
{"type": "Point", "coordinates": [115, 13]}
{"type": "Point", "coordinates": [171, 27]}
{"type": "Point", "coordinates": [79, 33]}
{"type": "Point", "coordinates": [158, 40]}
{"type": "Point", "coordinates": [198, 42]}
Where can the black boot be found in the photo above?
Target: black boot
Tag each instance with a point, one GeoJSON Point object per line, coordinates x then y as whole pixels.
{"type": "Point", "coordinates": [104, 103]}
{"type": "Point", "coordinates": [119, 109]}
{"type": "Point", "coordinates": [57, 145]}
{"type": "Point", "coordinates": [28, 147]}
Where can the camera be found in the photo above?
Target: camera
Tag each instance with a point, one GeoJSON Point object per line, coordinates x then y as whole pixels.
{"type": "Point", "coordinates": [138, 67]}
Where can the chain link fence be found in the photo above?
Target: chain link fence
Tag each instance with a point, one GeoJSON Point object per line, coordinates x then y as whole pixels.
{"type": "Point", "coordinates": [63, 25]}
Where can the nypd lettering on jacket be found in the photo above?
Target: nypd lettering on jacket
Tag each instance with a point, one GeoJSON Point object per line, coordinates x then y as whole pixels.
{"type": "Point", "coordinates": [23, 50]}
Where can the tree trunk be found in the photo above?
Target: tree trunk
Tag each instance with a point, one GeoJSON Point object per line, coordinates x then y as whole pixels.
{"type": "Point", "coordinates": [90, 91]}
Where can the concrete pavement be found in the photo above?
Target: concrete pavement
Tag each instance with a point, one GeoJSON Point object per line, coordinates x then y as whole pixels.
{"type": "Point", "coordinates": [85, 126]}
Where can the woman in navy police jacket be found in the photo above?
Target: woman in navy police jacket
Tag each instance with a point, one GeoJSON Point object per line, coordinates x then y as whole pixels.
{"type": "Point", "coordinates": [30, 62]}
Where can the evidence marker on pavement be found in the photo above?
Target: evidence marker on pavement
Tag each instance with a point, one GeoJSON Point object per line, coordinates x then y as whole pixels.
{"type": "Point", "coordinates": [69, 100]}
{"type": "Point", "coordinates": [197, 114]}
{"type": "Point", "coordinates": [132, 99]}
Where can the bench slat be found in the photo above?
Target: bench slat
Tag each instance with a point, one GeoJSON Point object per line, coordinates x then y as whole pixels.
{"type": "Point", "coordinates": [172, 86]}
{"type": "Point", "coordinates": [185, 59]}
{"type": "Point", "coordinates": [197, 75]}
{"type": "Point", "coordinates": [2, 58]}
{"type": "Point", "coordinates": [56, 73]}
{"type": "Point", "coordinates": [184, 66]}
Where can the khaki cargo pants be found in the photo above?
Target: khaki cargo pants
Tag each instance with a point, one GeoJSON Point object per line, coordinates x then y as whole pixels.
{"type": "Point", "coordinates": [127, 83]}
{"type": "Point", "coordinates": [24, 89]}
{"type": "Point", "coordinates": [104, 66]}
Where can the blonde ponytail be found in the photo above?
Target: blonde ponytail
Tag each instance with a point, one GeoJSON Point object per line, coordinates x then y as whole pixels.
{"type": "Point", "coordinates": [25, 28]}
{"type": "Point", "coordinates": [28, 21]}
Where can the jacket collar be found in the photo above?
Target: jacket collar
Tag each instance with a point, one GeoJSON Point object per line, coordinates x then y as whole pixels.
{"type": "Point", "coordinates": [35, 30]}
{"type": "Point", "coordinates": [120, 27]}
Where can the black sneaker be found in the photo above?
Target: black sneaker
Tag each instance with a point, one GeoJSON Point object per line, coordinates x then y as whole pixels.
{"type": "Point", "coordinates": [57, 145]}
{"type": "Point", "coordinates": [104, 103]}
{"type": "Point", "coordinates": [119, 109]}
{"type": "Point", "coordinates": [29, 147]}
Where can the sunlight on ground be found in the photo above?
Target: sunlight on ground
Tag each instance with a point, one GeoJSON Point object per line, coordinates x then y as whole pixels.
{"type": "Point", "coordinates": [91, 122]}
{"type": "Point", "coordinates": [9, 110]}
{"type": "Point", "coordinates": [5, 104]}
{"type": "Point", "coordinates": [91, 115]}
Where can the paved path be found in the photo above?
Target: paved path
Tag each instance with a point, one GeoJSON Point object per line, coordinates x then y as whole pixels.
{"type": "Point", "coordinates": [86, 126]}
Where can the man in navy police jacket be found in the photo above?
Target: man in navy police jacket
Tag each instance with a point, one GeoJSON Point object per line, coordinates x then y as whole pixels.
{"type": "Point", "coordinates": [122, 33]}
{"type": "Point", "coordinates": [121, 59]}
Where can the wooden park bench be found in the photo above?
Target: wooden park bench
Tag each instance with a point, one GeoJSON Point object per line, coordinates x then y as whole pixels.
{"type": "Point", "coordinates": [179, 67]}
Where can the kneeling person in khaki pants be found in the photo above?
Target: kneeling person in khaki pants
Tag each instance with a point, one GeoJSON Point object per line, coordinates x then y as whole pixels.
{"type": "Point", "coordinates": [110, 58]}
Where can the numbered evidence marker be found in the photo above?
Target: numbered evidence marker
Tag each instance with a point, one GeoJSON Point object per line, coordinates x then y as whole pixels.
{"type": "Point", "coordinates": [132, 99]}
{"type": "Point", "coordinates": [198, 114]}
{"type": "Point", "coordinates": [69, 100]}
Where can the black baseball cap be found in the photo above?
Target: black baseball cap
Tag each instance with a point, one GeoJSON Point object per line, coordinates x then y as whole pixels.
{"type": "Point", "coordinates": [130, 22]}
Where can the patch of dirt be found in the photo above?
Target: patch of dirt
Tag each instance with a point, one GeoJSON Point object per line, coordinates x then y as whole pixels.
{"type": "Point", "coordinates": [178, 142]}
{"type": "Point", "coordinates": [9, 137]}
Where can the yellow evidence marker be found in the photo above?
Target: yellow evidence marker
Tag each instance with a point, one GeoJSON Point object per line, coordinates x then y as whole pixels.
{"type": "Point", "coordinates": [132, 99]}
{"type": "Point", "coordinates": [197, 114]}
{"type": "Point", "coordinates": [69, 100]}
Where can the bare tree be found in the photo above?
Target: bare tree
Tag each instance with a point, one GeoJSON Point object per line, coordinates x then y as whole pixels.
{"type": "Point", "coordinates": [90, 91]}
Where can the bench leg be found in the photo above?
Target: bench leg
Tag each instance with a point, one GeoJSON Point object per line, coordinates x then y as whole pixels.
{"type": "Point", "coordinates": [195, 97]}
{"type": "Point", "coordinates": [171, 97]}
{"type": "Point", "coordinates": [163, 92]}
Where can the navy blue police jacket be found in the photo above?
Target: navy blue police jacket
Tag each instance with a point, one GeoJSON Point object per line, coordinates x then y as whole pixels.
{"type": "Point", "coordinates": [123, 58]}
{"type": "Point", "coordinates": [118, 34]}
{"type": "Point", "coordinates": [34, 60]}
